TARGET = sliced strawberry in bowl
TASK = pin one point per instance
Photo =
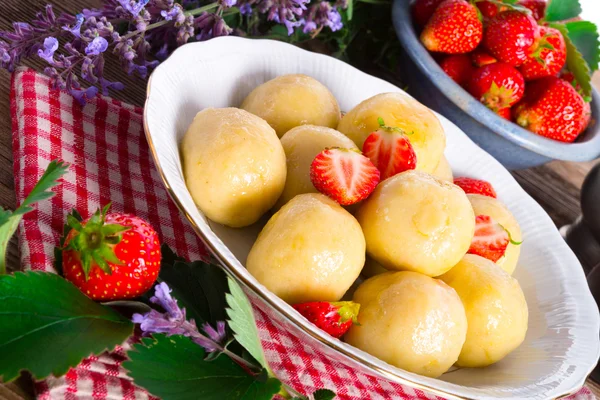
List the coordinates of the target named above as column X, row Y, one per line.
column 475, row 186
column 334, row 318
column 389, row 150
column 490, row 240
column 345, row 175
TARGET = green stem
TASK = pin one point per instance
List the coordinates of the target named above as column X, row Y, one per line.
column 158, row 24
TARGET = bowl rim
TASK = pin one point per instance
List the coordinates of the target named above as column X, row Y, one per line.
column 586, row 150
column 292, row 316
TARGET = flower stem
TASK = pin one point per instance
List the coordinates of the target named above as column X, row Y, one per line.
column 158, row 24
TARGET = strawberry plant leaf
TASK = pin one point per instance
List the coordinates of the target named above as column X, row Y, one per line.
column 584, row 36
column 323, row 394
column 241, row 322
column 560, row 10
column 575, row 61
column 49, row 326
column 9, row 221
column 174, row 368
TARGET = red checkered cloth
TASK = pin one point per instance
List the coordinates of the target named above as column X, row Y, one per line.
column 110, row 162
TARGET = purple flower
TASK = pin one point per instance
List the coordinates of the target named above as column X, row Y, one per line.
column 50, row 46
column 83, row 95
column 322, row 15
column 96, row 46
column 174, row 14
column 76, row 29
column 134, row 7
column 283, row 12
column 246, row 9
column 227, row 3
column 210, row 25
column 173, row 322
column 185, row 31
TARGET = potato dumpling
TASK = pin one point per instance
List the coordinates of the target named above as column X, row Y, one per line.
column 233, row 164
column 485, row 205
column 293, row 100
column 443, row 170
column 311, row 249
column 409, row 320
column 414, row 221
column 496, row 310
column 301, row 146
column 398, row 110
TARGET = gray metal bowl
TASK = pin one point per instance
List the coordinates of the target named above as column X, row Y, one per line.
column 510, row 144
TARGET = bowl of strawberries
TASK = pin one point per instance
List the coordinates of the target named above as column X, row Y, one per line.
column 512, row 74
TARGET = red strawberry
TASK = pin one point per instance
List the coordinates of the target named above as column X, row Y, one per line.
column 497, row 85
column 537, row 7
column 453, row 28
column 475, row 186
column 480, row 57
column 111, row 257
column 458, row 67
column 548, row 57
column 490, row 240
column 345, row 175
column 504, row 113
column 552, row 108
column 422, row 10
column 334, row 318
column 489, row 9
column 510, row 35
column 390, row 151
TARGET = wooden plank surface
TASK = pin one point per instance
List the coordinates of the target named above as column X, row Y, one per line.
column 555, row 185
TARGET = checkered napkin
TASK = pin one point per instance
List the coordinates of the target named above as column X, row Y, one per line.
column 110, row 162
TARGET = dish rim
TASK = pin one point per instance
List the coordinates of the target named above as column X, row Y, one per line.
column 578, row 151
column 301, row 323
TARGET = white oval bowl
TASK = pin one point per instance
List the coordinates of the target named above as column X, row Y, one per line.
column 562, row 344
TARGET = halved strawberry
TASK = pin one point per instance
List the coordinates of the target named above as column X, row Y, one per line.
column 345, row 175
column 389, row 150
column 475, row 186
column 334, row 318
column 490, row 240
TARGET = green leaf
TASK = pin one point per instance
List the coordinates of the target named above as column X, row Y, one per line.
column 323, row 394
column 241, row 322
column 350, row 10
column 173, row 368
column 575, row 61
column 73, row 216
column 559, row 10
column 49, row 326
column 584, row 36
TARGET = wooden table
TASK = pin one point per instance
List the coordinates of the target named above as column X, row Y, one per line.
column 555, row 186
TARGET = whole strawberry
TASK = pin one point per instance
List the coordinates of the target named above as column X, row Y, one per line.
column 552, row 108
column 422, row 10
column 111, row 256
column 454, row 28
column 537, row 7
column 480, row 57
column 475, row 186
column 334, row 318
column 497, row 85
column 458, row 67
column 489, row 9
column 548, row 57
column 510, row 35
column 505, row 113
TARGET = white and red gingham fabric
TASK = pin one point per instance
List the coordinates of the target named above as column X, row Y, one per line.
column 110, row 162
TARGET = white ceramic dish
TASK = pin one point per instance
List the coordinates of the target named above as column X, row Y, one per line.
column 562, row 343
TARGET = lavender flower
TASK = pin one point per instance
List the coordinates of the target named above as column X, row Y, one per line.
column 134, row 7
column 283, row 12
column 246, row 9
column 321, row 15
column 173, row 322
column 50, row 47
column 227, row 3
column 76, row 29
column 96, row 46
column 210, row 26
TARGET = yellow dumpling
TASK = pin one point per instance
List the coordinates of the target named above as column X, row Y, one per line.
column 414, row 221
column 485, row 205
column 233, row 164
column 409, row 320
column 293, row 100
column 496, row 310
column 301, row 146
column 443, row 170
column 402, row 111
column 310, row 250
